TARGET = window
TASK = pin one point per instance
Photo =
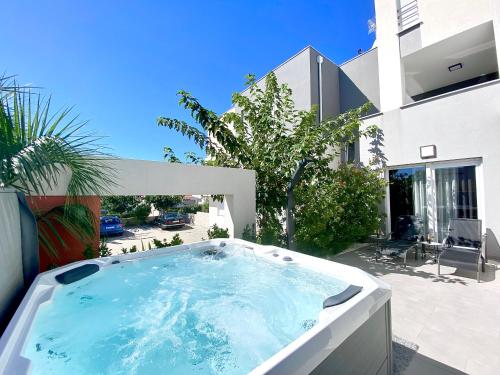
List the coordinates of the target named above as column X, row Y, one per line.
column 351, row 152
column 407, row 193
column 456, row 196
column 437, row 192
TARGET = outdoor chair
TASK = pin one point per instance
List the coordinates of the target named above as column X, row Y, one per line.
column 407, row 231
column 463, row 247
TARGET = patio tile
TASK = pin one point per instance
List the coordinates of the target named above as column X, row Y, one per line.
column 476, row 367
column 452, row 319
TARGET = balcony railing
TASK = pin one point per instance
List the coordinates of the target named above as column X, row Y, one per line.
column 408, row 15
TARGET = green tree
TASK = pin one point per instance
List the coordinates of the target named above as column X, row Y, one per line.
column 163, row 202
column 120, row 204
column 267, row 134
column 37, row 147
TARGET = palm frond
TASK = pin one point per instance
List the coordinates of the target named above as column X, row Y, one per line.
column 76, row 219
column 38, row 146
column 40, row 149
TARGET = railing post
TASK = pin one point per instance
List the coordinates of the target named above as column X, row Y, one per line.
column 408, row 14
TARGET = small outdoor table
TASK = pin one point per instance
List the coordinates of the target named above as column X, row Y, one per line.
column 433, row 246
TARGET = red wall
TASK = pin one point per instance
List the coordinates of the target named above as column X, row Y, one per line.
column 75, row 247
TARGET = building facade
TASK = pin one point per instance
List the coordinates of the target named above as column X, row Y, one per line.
column 439, row 112
column 432, row 77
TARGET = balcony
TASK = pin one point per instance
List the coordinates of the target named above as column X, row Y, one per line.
column 464, row 60
column 408, row 14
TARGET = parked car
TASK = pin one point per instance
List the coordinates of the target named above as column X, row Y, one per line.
column 111, row 225
column 170, row 220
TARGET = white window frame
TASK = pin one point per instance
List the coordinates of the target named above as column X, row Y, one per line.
column 430, row 176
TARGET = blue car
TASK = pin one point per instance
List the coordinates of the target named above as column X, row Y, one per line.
column 111, row 225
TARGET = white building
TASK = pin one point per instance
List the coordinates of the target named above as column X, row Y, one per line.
column 432, row 77
column 439, row 110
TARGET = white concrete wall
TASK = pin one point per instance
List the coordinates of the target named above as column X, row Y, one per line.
column 138, row 177
column 496, row 25
column 440, row 19
column 11, row 265
column 463, row 124
column 217, row 213
column 444, row 18
column 201, row 219
column 390, row 66
column 142, row 177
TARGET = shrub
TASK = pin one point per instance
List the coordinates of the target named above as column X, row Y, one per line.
column 205, row 206
column 133, row 249
column 339, row 209
column 141, row 212
column 124, row 250
column 104, row 251
column 216, row 232
column 176, row 240
column 88, row 252
column 158, row 244
column 249, row 233
column 272, row 233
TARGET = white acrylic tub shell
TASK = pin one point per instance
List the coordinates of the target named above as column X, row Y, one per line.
column 335, row 324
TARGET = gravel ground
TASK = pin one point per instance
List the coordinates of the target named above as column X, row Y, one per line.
column 143, row 235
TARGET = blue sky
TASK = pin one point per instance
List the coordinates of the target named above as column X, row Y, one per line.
column 120, row 63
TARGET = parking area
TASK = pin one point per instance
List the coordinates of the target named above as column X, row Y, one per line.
column 142, row 236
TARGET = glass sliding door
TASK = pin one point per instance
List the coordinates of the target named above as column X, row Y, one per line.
column 456, row 196
column 407, row 193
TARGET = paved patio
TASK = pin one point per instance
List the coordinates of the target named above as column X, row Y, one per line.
column 452, row 321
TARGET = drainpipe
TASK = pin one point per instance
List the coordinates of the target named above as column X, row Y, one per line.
column 319, row 60
column 290, row 202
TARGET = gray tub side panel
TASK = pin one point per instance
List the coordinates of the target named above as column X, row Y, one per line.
column 366, row 351
column 29, row 241
column 11, row 265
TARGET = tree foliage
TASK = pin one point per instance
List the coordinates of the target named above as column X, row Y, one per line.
column 341, row 207
column 163, row 202
column 266, row 133
column 120, row 204
column 141, row 212
column 126, row 204
column 217, row 232
column 38, row 145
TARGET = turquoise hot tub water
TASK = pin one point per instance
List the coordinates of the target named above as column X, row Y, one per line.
column 186, row 312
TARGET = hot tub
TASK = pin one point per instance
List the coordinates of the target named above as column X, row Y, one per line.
column 214, row 307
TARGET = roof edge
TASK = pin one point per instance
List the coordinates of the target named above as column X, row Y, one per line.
column 358, row 56
column 288, row 60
